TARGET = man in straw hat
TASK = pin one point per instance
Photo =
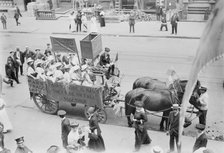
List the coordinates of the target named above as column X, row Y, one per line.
column 173, row 126
column 201, row 140
column 21, row 148
column 140, row 117
column 65, row 127
column 203, row 105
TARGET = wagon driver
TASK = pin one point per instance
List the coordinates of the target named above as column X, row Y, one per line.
column 105, row 61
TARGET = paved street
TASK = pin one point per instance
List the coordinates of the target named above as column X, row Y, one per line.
column 145, row 53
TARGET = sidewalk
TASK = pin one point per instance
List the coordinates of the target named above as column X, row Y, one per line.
column 187, row 30
column 117, row 139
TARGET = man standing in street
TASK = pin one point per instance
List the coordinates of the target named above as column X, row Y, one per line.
column 16, row 16
column 203, row 105
column 4, row 21
column 65, row 127
column 132, row 22
column 173, row 123
column 79, row 21
column 174, row 20
column 201, row 140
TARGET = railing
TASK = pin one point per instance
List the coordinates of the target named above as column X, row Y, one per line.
column 4, row 5
column 45, row 15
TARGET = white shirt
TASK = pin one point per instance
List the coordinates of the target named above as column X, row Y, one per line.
column 204, row 101
column 73, row 137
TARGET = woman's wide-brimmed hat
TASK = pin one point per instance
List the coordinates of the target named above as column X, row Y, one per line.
column 74, row 124
column 91, row 110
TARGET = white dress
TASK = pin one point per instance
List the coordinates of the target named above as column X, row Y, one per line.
column 4, row 119
column 93, row 25
column 72, row 22
column 84, row 23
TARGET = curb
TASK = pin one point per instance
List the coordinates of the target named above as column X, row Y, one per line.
column 111, row 35
column 124, row 35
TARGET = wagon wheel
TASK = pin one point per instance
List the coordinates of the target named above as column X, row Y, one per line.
column 102, row 115
column 45, row 105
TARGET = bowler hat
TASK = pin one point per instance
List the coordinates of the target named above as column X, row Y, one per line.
column 19, row 140
column 138, row 103
column 107, row 49
column 61, row 112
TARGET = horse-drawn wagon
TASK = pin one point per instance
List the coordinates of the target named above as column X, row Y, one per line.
column 48, row 93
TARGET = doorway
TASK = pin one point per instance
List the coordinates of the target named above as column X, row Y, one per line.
column 26, row 3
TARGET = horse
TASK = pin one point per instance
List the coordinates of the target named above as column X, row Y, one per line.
column 153, row 100
column 152, row 83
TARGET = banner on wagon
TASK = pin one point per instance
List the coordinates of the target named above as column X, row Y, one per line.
column 72, row 93
column 67, row 45
column 37, row 85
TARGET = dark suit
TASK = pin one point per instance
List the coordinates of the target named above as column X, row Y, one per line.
column 201, row 141
column 65, row 129
column 104, row 60
column 173, row 122
column 28, row 54
column 10, row 72
column 174, row 20
column 15, row 66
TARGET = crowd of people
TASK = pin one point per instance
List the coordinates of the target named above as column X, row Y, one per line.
column 65, row 67
column 80, row 23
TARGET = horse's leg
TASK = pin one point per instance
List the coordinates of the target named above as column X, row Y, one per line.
column 162, row 123
column 164, row 119
column 128, row 111
column 166, row 116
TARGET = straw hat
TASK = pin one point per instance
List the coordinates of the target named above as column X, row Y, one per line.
column 29, row 60
column 175, row 106
column 74, row 124
column 156, row 149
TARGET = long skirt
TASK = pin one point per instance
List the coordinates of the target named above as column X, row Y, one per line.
column 96, row 144
column 4, row 119
column 102, row 22
column 141, row 137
